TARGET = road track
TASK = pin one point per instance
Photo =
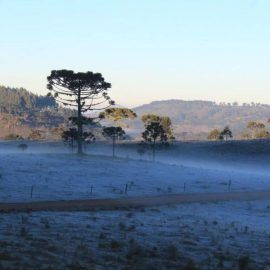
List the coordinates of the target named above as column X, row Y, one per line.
column 131, row 202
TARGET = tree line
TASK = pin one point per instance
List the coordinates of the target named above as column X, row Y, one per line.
column 87, row 92
column 254, row 130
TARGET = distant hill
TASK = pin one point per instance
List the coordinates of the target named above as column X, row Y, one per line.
column 21, row 110
column 19, row 99
column 194, row 119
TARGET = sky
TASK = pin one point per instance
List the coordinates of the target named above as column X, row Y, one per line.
column 148, row 50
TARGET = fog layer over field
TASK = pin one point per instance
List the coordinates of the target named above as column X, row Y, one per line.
column 49, row 171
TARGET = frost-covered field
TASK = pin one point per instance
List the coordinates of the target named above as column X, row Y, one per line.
column 225, row 235
column 191, row 236
column 51, row 173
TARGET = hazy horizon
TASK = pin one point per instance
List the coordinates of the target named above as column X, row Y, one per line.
column 159, row 100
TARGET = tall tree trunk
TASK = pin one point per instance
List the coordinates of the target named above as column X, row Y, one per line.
column 79, row 124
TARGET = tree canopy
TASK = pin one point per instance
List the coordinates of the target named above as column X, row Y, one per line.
column 154, row 132
column 164, row 121
column 117, row 114
column 85, row 91
column 226, row 134
column 113, row 133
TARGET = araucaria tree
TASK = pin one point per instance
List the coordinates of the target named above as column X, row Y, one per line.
column 116, row 115
column 165, row 121
column 70, row 136
column 154, row 132
column 84, row 91
column 113, row 133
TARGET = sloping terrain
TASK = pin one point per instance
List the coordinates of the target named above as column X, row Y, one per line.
column 21, row 110
column 200, row 117
column 197, row 235
column 48, row 171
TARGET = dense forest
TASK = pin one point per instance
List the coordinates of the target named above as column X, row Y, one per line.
column 14, row 100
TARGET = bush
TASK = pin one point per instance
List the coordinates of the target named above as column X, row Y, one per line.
column 115, row 244
column 172, row 251
column 243, row 262
column 214, row 135
column 22, row 146
column 261, row 134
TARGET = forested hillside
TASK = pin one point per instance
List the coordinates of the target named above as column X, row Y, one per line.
column 19, row 99
column 21, row 111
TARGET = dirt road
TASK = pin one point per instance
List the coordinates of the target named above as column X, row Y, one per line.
column 113, row 204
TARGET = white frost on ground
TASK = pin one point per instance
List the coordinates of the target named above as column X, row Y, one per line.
column 66, row 176
column 214, row 236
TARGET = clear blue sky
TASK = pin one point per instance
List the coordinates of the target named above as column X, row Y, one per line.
column 148, row 49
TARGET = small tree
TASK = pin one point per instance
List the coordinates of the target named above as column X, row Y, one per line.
column 153, row 133
column 23, row 146
column 89, row 137
column 226, row 134
column 113, row 133
column 70, row 136
column 141, row 150
column 84, row 91
column 214, row 135
column 165, row 121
